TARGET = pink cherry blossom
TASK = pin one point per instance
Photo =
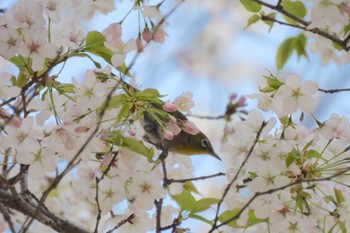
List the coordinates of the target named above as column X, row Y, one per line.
column 184, row 102
column 297, row 95
column 144, row 189
column 110, row 193
column 190, row 127
column 37, row 48
column 9, row 42
column 169, row 107
column 26, row 15
column 336, row 127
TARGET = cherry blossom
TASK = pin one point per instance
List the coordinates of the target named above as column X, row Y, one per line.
column 9, row 42
column 27, row 15
column 37, row 48
column 144, row 189
column 110, row 193
column 114, row 42
column 184, row 102
column 327, row 14
column 297, row 95
column 25, row 140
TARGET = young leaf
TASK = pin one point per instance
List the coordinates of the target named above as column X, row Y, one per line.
column 185, row 200
column 296, row 8
column 284, row 51
column 204, row 204
column 270, row 23
column 253, row 220
column 300, row 42
column 313, row 154
column 339, row 195
column 252, row 19
column 148, row 94
column 195, row 216
column 116, row 138
column 229, row 214
column 95, row 44
column 124, row 111
column 251, row 6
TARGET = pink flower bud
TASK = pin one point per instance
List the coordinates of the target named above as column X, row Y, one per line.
column 233, row 96
column 139, row 45
column 190, row 128
column 345, row 7
column 159, row 35
column 168, row 135
column 173, row 127
column 169, row 107
column 132, row 132
column 242, row 101
column 15, row 122
column 147, row 35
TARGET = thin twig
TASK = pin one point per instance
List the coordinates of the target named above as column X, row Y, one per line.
column 98, row 180
column 227, row 189
column 279, row 8
column 170, row 181
column 332, row 91
column 257, row 194
column 159, row 205
column 7, row 218
column 121, row 223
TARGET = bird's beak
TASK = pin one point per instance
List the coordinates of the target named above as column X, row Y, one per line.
column 215, row 155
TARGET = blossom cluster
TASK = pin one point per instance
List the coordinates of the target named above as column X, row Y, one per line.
column 331, row 16
column 289, row 155
column 281, row 176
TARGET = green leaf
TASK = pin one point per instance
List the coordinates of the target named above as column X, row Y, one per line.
column 285, row 120
column 95, row 44
column 204, row 204
column 148, row 94
column 19, row 61
column 270, row 23
column 251, row 6
column 229, row 214
column 300, row 42
column 296, row 8
column 64, row 87
column 124, row 111
column 117, row 101
column 290, row 159
column 339, row 195
column 273, row 82
column 185, row 200
column 116, row 138
column 124, row 70
column 252, row 19
column 93, row 39
column 284, row 51
column 21, row 80
column 329, row 198
column 253, row 220
column 337, row 46
column 190, row 187
column 308, row 144
column 342, row 227
column 314, row 154
column 195, row 216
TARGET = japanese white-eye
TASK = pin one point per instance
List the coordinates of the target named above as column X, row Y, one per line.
column 153, row 120
column 182, row 143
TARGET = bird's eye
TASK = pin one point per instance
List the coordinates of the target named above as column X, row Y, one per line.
column 205, row 143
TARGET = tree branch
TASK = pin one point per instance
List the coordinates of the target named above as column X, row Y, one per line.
column 317, row 31
column 57, row 223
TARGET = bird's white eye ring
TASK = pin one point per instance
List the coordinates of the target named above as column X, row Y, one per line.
column 205, row 143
